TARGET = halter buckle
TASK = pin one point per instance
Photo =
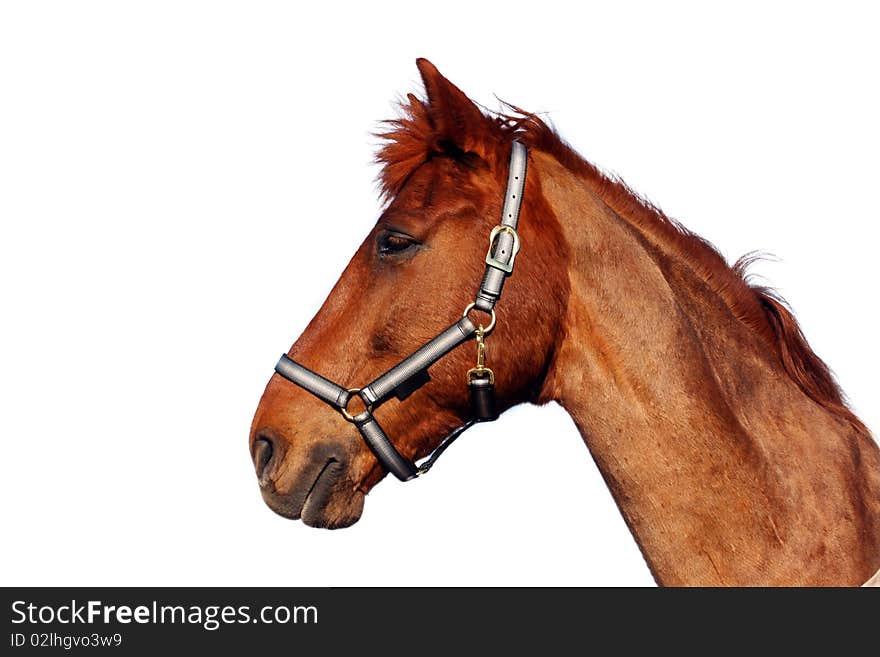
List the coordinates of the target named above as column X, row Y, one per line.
column 491, row 259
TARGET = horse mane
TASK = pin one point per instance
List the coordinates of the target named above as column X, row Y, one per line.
column 410, row 140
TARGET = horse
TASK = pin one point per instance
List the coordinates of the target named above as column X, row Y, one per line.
column 724, row 439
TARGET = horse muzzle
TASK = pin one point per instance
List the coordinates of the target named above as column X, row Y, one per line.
column 316, row 487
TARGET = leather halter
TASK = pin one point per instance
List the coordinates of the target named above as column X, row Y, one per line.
column 412, row 372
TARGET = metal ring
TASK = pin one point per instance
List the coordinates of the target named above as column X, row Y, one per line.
column 488, row 329
column 368, row 408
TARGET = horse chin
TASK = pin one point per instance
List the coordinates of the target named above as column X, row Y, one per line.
column 329, row 501
column 333, row 505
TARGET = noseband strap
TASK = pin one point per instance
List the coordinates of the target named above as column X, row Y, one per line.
column 412, row 372
column 322, row 388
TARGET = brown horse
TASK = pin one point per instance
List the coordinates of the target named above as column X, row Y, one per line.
column 724, row 439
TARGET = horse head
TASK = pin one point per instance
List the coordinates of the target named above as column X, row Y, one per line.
column 445, row 167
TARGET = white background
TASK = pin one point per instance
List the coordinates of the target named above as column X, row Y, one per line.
column 181, row 183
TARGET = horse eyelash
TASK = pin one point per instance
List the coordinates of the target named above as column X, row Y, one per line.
column 381, row 244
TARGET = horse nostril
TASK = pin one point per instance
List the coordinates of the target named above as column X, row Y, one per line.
column 263, row 450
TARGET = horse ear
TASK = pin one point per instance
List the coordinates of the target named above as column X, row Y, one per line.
column 454, row 117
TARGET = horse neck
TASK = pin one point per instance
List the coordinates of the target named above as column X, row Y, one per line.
column 724, row 470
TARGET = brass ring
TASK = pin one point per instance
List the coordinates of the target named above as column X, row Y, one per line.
column 488, row 329
column 368, row 408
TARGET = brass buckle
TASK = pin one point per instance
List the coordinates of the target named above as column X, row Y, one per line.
column 491, row 260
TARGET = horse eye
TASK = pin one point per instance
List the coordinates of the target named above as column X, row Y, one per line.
column 394, row 243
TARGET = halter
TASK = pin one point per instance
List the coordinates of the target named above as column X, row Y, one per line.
column 411, row 373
